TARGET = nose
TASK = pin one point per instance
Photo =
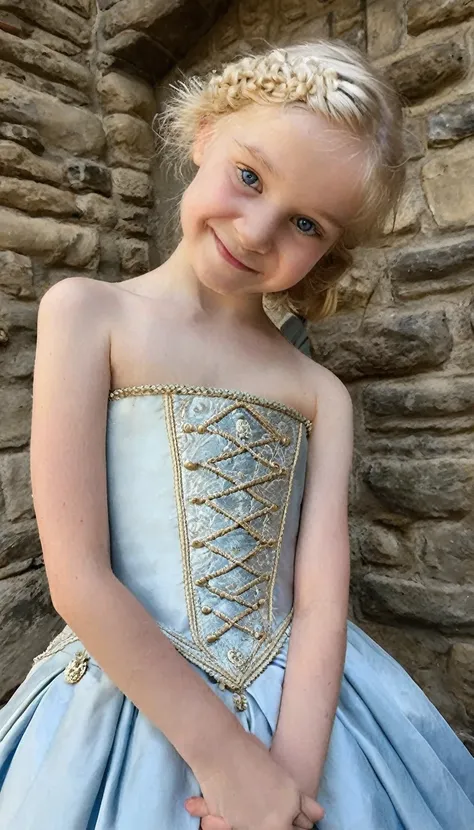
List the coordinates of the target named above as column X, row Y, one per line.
column 256, row 230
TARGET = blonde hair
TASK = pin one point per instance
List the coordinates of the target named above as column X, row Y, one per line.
column 329, row 78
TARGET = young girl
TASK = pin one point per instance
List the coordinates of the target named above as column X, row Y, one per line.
column 190, row 471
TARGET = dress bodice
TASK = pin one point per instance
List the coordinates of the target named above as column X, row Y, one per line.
column 204, row 491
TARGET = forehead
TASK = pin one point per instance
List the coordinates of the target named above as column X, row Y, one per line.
column 311, row 160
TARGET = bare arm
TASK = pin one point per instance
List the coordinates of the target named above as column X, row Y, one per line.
column 71, row 384
column 318, row 639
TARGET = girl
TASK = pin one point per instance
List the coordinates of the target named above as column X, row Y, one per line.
column 190, row 470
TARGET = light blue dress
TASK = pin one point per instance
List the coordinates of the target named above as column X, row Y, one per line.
column 205, row 489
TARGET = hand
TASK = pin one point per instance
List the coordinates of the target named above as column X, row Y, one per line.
column 196, row 806
column 250, row 791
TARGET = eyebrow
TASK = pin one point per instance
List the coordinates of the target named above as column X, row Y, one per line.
column 257, row 153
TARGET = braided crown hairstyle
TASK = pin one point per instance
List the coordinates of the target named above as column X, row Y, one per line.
column 331, row 79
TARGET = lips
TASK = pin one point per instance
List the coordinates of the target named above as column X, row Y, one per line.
column 226, row 254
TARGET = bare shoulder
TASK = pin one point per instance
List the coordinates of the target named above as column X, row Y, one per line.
column 78, row 298
column 328, row 387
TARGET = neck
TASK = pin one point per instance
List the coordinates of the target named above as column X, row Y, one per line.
column 178, row 276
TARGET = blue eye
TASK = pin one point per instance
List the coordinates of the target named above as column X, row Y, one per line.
column 307, row 227
column 248, row 177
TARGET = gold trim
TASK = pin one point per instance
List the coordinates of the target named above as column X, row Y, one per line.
column 209, row 391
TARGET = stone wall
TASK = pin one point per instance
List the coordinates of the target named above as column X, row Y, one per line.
column 76, row 167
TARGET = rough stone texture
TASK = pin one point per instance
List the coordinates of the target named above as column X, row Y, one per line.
column 423, row 398
column 452, row 122
column 134, row 256
column 16, row 273
column 26, row 617
column 37, row 198
column 19, row 541
column 15, row 482
column 52, row 17
column 422, row 14
column 434, row 489
column 447, row 180
column 447, row 551
column 390, row 344
column 129, row 142
column 83, row 174
column 70, row 128
column 16, row 416
column 131, row 185
column 50, row 63
column 461, row 668
column 450, row 607
column 97, row 209
column 384, row 27
column 425, row 71
column 122, row 93
column 26, row 136
column 17, row 161
column 54, row 241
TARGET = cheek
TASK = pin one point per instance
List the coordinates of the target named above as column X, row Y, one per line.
column 208, row 196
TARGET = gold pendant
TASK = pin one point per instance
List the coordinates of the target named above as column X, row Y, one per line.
column 76, row 669
column 240, row 701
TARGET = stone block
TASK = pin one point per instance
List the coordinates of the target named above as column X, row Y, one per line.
column 16, row 486
column 129, row 141
column 16, row 416
column 422, row 271
column 19, row 162
column 461, row 670
column 351, row 30
column 447, row 550
column 16, row 273
column 409, row 210
column 134, row 256
column 379, row 545
column 132, row 185
column 56, row 242
column 122, row 93
column 447, row 181
column 26, row 136
column 420, row 398
column 175, row 25
column 82, row 7
column 33, row 81
column 140, row 51
column 48, row 15
column 392, row 343
column 14, row 25
column 83, row 174
column 97, row 209
column 73, row 129
column 34, row 197
column 384, row 27
column 437, row 488
column 423, row 14
column 428, row 69
column 57, row 44
column 49, row 63
column 414, row 138
column 450, row 607
column 133, row 219
column 451, row 123
column 28, row 622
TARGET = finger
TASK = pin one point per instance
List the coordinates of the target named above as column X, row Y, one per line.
column 311, row 808
column 214, row 823
column 302, row 820
column 196, row 806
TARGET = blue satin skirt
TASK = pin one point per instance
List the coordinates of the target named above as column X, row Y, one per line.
column 82, row 757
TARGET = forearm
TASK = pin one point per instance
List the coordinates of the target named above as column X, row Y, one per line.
column 310, row 694
column 129, row 646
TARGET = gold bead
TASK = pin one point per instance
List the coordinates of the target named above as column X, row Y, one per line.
column 191, row 465
column 203, row 580
column 261, row 601
column 197, row 500
column 275, row 507
column 211, row 638
column 259, row 635
column 206, row 610
column 189, row 428
column 201, row 429
column 196, row 543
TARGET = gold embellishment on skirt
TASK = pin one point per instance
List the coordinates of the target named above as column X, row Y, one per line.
column 76, row 669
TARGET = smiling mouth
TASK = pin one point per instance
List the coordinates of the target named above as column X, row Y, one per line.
column 225, row 254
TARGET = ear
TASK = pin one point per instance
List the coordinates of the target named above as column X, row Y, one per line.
column 201, row 141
